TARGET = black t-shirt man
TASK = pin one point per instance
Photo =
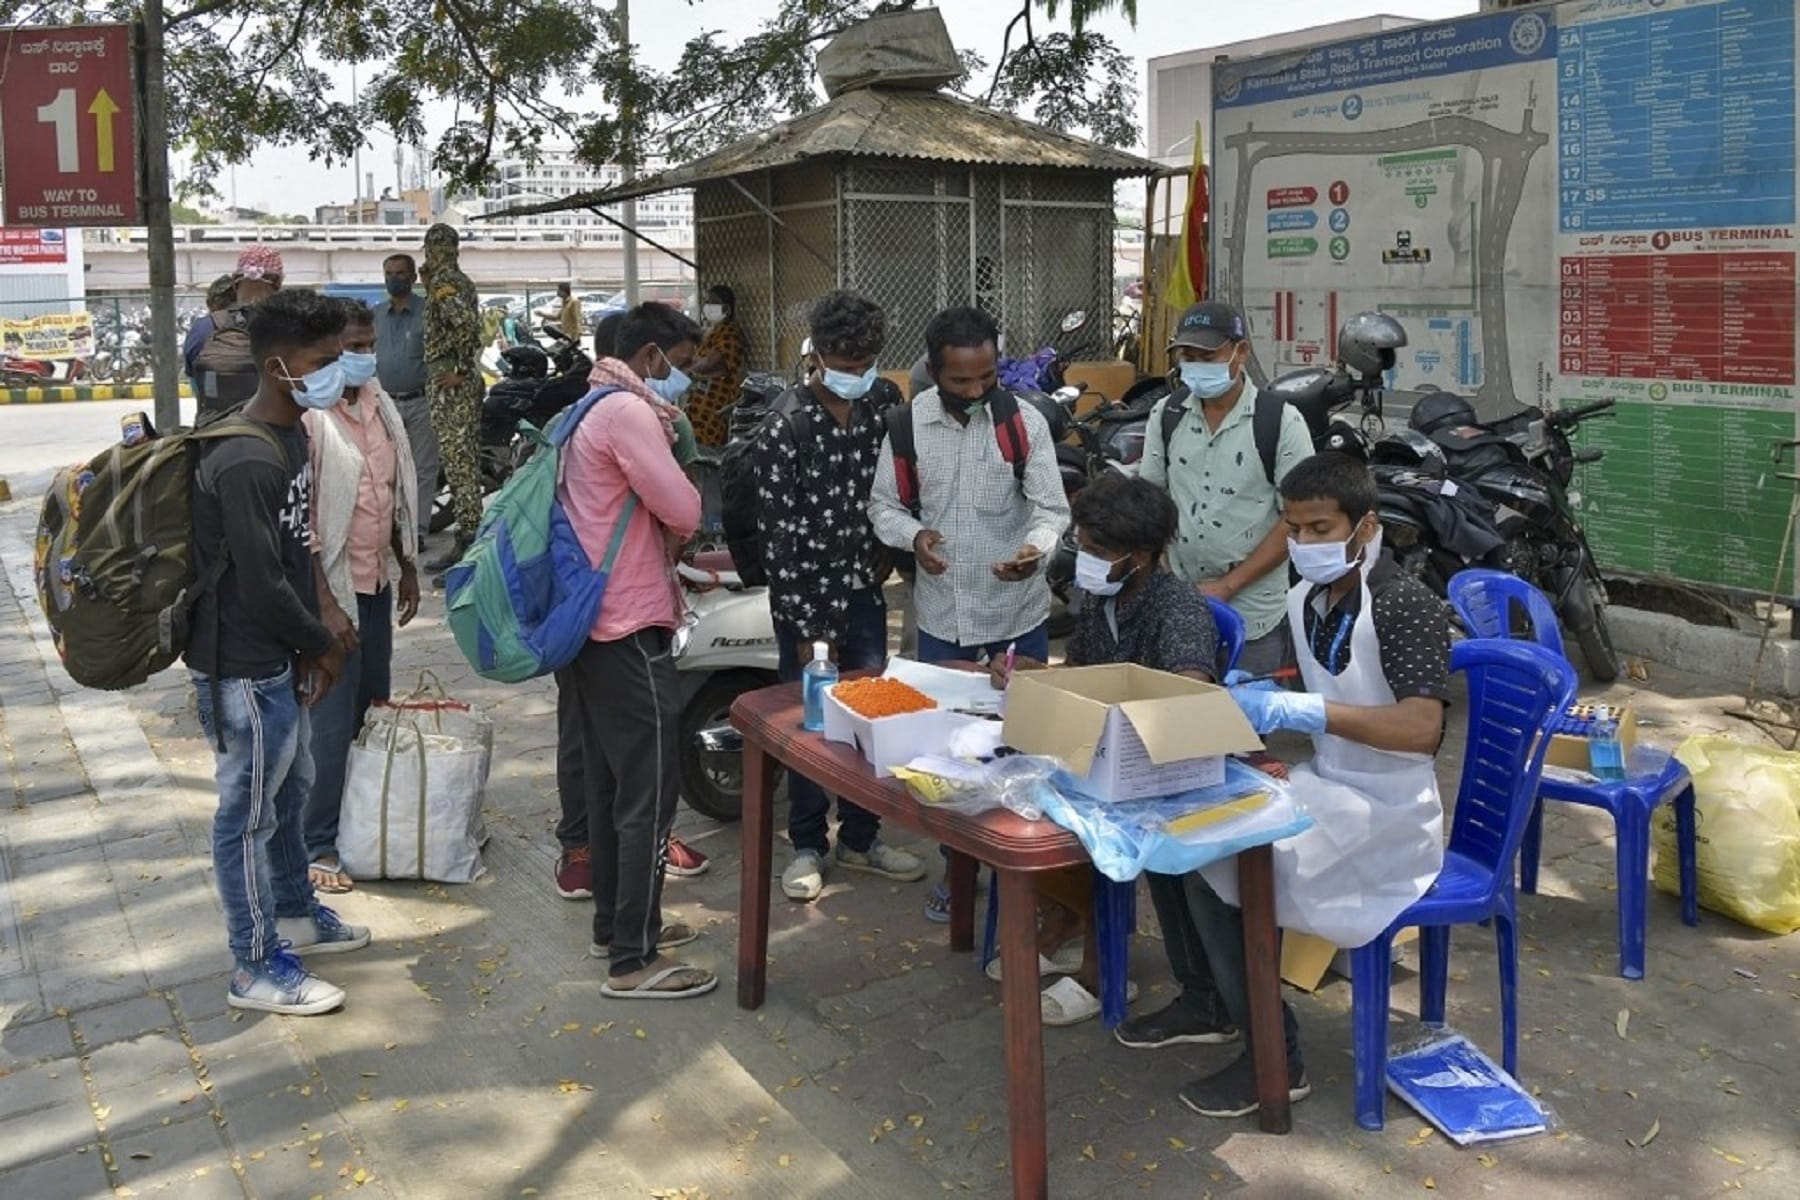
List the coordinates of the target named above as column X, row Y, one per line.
column 254, row 504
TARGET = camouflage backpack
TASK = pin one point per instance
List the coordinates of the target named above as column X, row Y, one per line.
column 115, row 562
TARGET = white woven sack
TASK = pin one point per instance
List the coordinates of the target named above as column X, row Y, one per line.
column 413, row 790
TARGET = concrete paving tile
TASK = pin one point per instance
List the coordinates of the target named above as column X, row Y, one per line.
column 121, row 1022
column 24, row 1044
column 72, row 1175
column 166, row 1160
column 31, row 1088
column 44, row 1133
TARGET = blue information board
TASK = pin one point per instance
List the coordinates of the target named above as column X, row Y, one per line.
column 1678, row 119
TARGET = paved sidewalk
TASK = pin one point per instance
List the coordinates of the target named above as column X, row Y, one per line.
column 477, row 1058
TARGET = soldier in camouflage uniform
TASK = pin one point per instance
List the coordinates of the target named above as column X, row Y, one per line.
column 453, row 374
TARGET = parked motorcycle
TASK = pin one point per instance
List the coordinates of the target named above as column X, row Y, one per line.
column 725, row 647
column 1524, row 466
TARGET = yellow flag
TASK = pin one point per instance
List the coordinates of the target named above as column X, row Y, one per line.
column 1188, row 283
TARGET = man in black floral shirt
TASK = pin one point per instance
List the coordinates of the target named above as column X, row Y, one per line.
column 815, row 462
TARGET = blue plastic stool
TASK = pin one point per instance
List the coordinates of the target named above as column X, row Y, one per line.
column 1232, row 634
column 1656, row 778
column 1485, row 601
column 1515, row 689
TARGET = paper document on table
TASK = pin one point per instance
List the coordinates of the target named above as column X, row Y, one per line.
column 961, row 691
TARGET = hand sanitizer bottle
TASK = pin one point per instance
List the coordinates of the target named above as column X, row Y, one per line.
column 1606, row 757
column 820, row 674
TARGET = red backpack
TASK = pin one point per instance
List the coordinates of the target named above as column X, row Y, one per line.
column 1009, row 432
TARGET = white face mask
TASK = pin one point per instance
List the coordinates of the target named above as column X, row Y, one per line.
column 1093, row 575
column 1327, row 562
column 714, row 313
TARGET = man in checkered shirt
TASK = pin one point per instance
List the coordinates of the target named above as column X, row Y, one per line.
column 982, row 534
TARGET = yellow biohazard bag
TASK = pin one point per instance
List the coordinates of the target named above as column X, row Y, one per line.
column 1747, row 818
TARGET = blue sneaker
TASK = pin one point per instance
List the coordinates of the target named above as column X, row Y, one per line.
column 322, row 933
column 281, row 984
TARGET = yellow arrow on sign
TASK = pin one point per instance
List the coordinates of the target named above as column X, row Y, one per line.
column 104, row 109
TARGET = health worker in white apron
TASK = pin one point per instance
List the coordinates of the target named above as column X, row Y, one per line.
column 1377, row 838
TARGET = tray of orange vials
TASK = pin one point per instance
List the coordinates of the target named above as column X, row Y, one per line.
column 880, row 697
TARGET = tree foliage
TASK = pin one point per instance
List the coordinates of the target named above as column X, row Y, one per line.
column 520, row 74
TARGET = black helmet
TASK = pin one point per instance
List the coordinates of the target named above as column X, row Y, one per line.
column 1409, row 448
column 1367, row 341
column 1441, row 412
column 524, row 362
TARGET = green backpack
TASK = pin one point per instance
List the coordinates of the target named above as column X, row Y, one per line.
column 115, row 562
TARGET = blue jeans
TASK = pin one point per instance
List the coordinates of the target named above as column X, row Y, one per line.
column 1035, row 644
column 264, row 774
column 338, row 718
column 864, row 645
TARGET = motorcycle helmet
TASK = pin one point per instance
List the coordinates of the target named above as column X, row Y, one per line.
column 1441, row 412
column 1367, row 341
column 1342, row 438
column 1409, row 448
column 524, row 362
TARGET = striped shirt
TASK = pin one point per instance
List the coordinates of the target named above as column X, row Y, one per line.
column 968, row 493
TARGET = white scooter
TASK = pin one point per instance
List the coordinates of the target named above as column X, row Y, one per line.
column 725, row 647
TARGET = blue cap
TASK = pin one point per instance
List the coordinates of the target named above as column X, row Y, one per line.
column 1209, row 325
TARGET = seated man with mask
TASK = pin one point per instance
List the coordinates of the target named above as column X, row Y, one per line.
column 1374, row 653
column 1137, row 612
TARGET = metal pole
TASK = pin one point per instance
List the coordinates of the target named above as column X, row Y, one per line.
column 356, row 208
column 164, row 342
column 628, row 162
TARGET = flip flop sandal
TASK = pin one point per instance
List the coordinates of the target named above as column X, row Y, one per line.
column 677, row 934
column 651, row 988
column 937, row 909
column 1066, row 1002
column 331, row 880
column 1066, row 961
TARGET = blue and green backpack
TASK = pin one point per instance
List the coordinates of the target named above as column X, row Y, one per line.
column 524, row 597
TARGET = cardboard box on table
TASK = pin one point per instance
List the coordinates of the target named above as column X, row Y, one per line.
column 1128, row 732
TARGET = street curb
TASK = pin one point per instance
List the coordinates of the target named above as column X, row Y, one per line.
column 1728, row 655
column 78, row 394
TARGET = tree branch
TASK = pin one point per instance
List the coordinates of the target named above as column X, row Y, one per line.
column 1005, row 51
column 203, row 8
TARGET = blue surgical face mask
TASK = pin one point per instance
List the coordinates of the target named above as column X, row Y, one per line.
column 322, row 388
column 359, row 368
column 672, row 387
column 848, row 386
column 1207, row 380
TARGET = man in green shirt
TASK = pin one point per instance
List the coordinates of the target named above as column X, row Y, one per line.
column 1231, row 542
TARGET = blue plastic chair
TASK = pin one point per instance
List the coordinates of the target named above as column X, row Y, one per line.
column 1231, row 634
column 1115, row 904
column 1515, row 690
column 1485, row 600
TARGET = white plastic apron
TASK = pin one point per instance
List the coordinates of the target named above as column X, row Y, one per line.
column 1377, row 840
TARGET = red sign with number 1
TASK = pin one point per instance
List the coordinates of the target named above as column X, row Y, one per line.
column 68, row 127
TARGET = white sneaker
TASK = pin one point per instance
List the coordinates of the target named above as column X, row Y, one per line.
column 804, row 878
column 322, row 933
column 882, row 859
column 283, row 985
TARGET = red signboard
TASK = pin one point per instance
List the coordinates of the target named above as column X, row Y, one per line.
column 33, row 246
column 68, row 126
column 1292, row 197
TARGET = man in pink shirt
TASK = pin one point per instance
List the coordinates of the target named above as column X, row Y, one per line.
column 622, row 687
column 365, row 542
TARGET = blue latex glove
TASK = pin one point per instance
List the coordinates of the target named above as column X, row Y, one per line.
column 1270, row 708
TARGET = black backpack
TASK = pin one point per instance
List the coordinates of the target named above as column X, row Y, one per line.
column 1265, row 425
column 1009, row 432
column 224, row 368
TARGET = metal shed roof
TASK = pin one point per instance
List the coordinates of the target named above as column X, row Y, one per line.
column 878, row 123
